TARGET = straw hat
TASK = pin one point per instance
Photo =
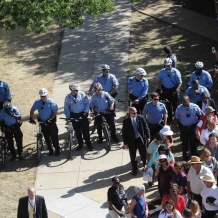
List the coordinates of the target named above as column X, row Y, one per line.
column 208, row 178
column 209, row 110
column 163, row 156
column 166, row 130
column 194, row 159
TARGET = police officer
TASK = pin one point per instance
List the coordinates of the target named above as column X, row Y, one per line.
column 77, row 105
column 108, row 82
column 186, row 116
column 202, row 76
column 5, row 94
column 156, row 114
column 47, row 109
column 138, row 89
column 102, row 101
column 10, row 117
column 195, row 92
column 169, row 81
column 168, row 53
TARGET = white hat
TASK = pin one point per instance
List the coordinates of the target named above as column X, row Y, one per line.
column 163, row 156
column 208, row 178
column 166, row 130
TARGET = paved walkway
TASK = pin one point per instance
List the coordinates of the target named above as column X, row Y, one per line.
column 78, row 188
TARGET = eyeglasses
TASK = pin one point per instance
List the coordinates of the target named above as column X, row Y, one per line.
column 167, row 65
column 162, row 161
column 156, row 99
column 42, row 96
column 133, row 113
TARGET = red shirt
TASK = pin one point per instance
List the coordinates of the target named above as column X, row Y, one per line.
column 179, row 205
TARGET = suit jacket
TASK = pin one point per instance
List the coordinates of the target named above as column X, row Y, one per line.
column 41, row 211
column 128, row 132
column 210, row 103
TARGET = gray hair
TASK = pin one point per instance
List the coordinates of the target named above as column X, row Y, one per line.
column 138, row 188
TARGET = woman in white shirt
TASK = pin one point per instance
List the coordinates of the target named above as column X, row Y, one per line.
column 169, row 210
column 209, row 196
column 210, row 127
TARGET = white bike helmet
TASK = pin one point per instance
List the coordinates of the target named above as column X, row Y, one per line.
column 140, row 71
column 73, row 86
column 168, row 61
column 199, row 65
column 105, row 67
column 7, row 104
column 43, row 92
column 98, row 86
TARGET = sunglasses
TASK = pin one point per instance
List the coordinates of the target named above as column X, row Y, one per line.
column 162, row 161
column 204, row 97
column 156, row 99
column 116, row 183
column 167, row 65
column 133, row 113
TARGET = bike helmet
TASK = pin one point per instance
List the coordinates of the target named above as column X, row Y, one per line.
column 168, row 61
column 43, row 92
column 163, row 147
column 73, row 86
column 105, row 67
column 140, row 71
column 98, row 86
column 7, row 104
column 199, row 65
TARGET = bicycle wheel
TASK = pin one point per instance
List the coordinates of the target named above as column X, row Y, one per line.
column 4, row 153
column 70, row 143
column 107, row 136
column 39, row 146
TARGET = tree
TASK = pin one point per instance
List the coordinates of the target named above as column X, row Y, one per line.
column 38, row 15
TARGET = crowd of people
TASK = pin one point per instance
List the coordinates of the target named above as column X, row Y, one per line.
column 184, row 186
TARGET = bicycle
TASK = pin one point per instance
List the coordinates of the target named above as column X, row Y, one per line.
column 4, row 145
column 70, row 133
column 105, row 127
column 40, row 141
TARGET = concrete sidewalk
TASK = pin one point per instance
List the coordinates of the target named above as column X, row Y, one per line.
column 79, row 187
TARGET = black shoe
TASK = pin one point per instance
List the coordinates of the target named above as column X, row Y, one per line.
column 134, row 173
column 50, row 152
column 90, row 148
column 150, row 183
column 79, row 148
column 100, row 140
column 13, row 158
column 57, row 153
column 115, row 138
column 21, row 157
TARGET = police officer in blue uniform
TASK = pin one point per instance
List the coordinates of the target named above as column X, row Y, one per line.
column 138, row 89
column 186, row 116
column 202, row 76
column 102, row 101
column 108, row 82
column 168, row 53
column 47, row 109
column 10, row 118
column 155, row 113
column 195, row 92
column 169, row 81
column 77, row 105
column 5, row 94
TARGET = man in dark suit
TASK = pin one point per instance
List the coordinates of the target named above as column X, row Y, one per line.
column 32, row 206
column 205, row 102
column 136, row 135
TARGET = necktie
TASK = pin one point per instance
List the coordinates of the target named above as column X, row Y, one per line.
column 135, row 129
column 31, row 209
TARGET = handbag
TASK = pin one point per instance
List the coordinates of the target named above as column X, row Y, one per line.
column 148, row 175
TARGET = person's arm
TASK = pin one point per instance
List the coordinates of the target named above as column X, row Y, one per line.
column 144, row 91
column 202, row 138
column 176, row 129
column 31, row 113
column 131, row 207
column 157, row 171
column 90, row 89
column 165, row 119
column 146, row 129
column 113, row 90
column 159, row 84
column 44, row 209
column 188, row 190
column 19, row 210
column 114, row 208
column 178, row 86
column 146, row 210
column 148, row 156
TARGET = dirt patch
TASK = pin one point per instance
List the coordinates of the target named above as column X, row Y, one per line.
column 28, row 62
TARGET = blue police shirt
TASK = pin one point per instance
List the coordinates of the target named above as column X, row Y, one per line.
column 76, row 105
column 197, row 96
column 108, row 83
column 182, row 112
column 46, row 110
column 4, row 91
column 204, row 79
column 102, row 102
column 138, row 88
column 9, row 120
column 170, row 78
column 154, row 112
